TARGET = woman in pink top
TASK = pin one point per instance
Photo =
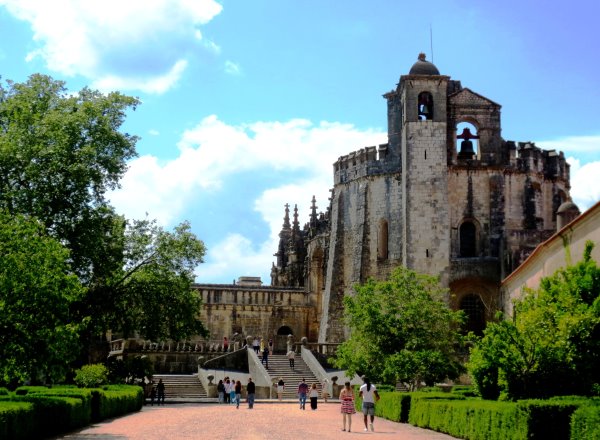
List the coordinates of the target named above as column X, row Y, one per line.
column 347, row 399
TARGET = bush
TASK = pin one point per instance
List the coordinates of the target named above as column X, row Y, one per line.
column 3, row 391
column 17, row 420
column 472, row 419
column 489, row 420
column 91, row 376
column 585, row 423
column 116, row 400
column 56, row 414
column 548, row 418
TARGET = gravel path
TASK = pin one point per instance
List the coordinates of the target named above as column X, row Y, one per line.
column 267, row 420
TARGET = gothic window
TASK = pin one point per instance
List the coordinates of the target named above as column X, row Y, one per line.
column 474, row 311
column 425, row 108
column 468, row 240
column 382, row 240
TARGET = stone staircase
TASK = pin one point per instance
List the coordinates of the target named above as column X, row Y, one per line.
column 279, row 366
column 182, row 386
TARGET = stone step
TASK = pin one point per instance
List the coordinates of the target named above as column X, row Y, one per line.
column 279, row 366
column 181, row 385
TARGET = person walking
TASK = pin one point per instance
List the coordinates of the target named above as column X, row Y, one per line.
column 291, row 355
column 238, row 394
column 250, row 389
column 347, row 400
column 221, row 391
column 369, row 395
column 302, row 391
column 225, row 344
column 265, row 357
column 314, row 396
column 227, row 391
column 160, row 392
column 280, row 388
column 255, row 345
column 271, row 346
column 232, row 392
column 324, row 390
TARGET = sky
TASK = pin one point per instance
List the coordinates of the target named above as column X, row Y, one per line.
column 247, row 104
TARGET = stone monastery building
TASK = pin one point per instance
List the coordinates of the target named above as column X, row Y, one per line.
column 446, row 195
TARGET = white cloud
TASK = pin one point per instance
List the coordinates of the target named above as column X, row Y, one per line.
column 153, row 132
column 585, row 168
column 585, row 183
column 156, row 84
column 573, row 144
column 234, row 257
column 213, row 151
column 134, row 44
column 232, row 68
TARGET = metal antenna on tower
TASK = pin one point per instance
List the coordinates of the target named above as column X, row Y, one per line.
column 431, row 41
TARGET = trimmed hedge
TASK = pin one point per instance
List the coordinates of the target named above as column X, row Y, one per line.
column 585, row 423
column 472, row 419
column 490, row 420
column 116, row 400
column 547, row 418
column 16, row 420
column 56, row 410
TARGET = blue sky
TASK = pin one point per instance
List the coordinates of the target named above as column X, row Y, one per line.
column 247, row 104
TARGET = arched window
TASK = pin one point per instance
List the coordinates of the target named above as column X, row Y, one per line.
column 382, row 240
column 425, row 108
column 474, row 310
column 468, row 240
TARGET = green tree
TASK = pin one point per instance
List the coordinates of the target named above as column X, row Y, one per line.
column 37, row 335
column 401, row 329
column 552, row 345
column 59, row 154
column 152, row 293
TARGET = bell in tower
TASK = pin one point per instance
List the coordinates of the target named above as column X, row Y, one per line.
column 466, row 146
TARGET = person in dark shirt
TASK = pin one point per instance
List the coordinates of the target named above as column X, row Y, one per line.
column 250, row 389
column 238, row 393
column 160, row 392
column 302, row 391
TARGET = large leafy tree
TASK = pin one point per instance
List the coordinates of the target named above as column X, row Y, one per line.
column 59, row 154
column 401, row 329
column 37, row 334
column 151, row 294
column 552, row 346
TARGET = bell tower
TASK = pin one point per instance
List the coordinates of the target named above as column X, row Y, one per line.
column 423, row 150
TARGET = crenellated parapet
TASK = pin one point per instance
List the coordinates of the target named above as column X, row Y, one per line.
column 364, row 162
column 529, row 158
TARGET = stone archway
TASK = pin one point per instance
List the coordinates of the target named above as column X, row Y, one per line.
column 281, row 339
column 474, row 309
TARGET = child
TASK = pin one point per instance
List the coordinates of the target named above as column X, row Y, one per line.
column 314, row 394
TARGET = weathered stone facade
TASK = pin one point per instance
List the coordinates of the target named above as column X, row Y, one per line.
column 468, row 206
column 424, row 200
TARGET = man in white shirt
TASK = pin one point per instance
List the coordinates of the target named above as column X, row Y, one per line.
column 369, row 396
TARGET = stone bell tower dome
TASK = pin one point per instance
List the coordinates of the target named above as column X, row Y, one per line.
column 423, row 150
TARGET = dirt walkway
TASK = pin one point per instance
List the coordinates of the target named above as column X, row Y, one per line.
column 265, row 421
